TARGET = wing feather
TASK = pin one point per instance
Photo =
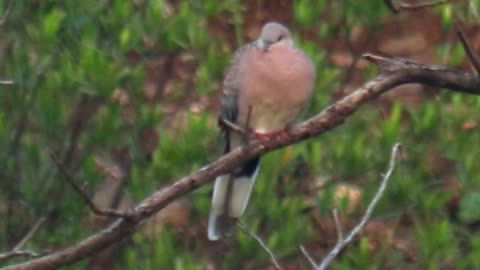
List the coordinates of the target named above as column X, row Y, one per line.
column 230, row 89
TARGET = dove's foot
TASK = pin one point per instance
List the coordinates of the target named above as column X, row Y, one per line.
column 280, row 135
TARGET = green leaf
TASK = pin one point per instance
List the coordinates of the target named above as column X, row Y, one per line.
column 52, row 23
column 469, row 210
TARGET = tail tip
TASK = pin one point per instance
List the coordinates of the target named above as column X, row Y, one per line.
column 220, row 227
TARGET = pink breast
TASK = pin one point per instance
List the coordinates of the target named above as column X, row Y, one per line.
column 277, row 84
column 284, row 72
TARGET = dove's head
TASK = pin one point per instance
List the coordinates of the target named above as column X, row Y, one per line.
column 274, row 34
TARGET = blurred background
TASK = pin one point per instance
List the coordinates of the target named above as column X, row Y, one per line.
column 125, row 94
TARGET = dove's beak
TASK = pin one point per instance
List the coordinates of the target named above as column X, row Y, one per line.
column 263, row 45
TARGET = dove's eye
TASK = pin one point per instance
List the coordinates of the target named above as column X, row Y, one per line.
column 279, row 38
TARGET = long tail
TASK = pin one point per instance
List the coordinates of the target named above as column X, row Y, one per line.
column 230, row 198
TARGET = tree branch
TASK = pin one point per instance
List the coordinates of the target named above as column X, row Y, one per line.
column 338, row 225
column 7, row 12
column 359, row 227
column 398, row 6
column 309, row 258
column 395, row 72
column 93, row 207
column 472, row 56
column 17, row 250
column 259, row 240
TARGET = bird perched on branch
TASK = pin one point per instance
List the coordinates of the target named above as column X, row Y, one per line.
column 266, row 87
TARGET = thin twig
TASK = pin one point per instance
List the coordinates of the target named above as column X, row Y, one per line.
column 359, row 227
column 474, row 58
column 30, row 234
column 84, row 111
column 307, row 255
column 354, row 52
column 231, row 126
column 6, row 82
column 338, row 225
column 18, row 253
column 7, row 12
column 93, row 207
column 398, row 6
column 17, row 250
column 421, row 5
column 261, row 243
column 473, row 7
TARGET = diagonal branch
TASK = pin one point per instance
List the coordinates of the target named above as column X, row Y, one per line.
column 338, row 225
column 17, row 250
column 259, row 240
column 308, row 256
column 359, row 227
column 7, row 12
column 397, row 6
column 30, row 234
column 93, row 207
column 395, row 72
column 472, row 56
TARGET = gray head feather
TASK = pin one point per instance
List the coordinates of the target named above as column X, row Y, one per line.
column 274, row 33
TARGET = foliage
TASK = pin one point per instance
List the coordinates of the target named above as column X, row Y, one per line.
column 70, row 58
